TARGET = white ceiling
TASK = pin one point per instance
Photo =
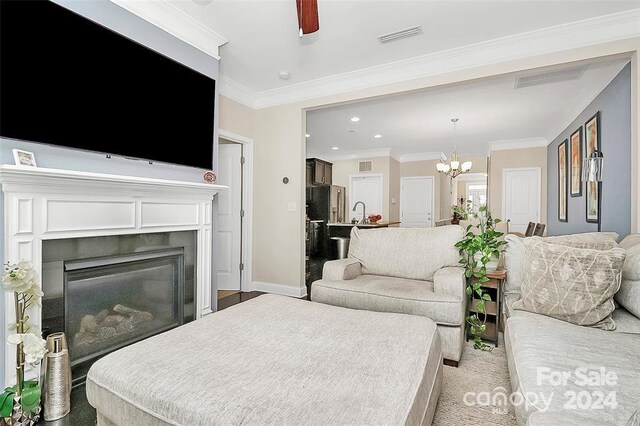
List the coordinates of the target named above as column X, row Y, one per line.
column 490, row 110
column 263, row 34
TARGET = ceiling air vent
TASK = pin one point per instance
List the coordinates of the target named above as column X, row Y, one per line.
column 552, row 76
column 399, row 35
column 365, row 166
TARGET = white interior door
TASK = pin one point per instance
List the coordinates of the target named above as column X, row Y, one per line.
column 416, row 202
column 368, row 189
column 229, row 219
column 521, row 197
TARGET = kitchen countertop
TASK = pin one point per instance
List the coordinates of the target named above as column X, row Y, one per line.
column 367, row 225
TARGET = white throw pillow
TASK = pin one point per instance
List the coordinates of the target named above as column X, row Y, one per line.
column 629, row 241
column 513, row 257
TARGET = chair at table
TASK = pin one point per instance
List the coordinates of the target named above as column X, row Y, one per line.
column 530, row 229
column 539, row 231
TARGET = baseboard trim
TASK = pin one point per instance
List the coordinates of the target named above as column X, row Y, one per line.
column 276, row 288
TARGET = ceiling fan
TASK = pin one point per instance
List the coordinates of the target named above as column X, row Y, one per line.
column 307, row 16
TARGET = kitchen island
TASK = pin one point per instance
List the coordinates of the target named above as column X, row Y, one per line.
column 366, row 225
column 344, row 229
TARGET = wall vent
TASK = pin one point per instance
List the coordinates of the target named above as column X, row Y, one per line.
column 399, row 35
column 365, row 166
column 546, row 77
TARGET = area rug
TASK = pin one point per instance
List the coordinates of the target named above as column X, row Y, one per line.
column 475, row 392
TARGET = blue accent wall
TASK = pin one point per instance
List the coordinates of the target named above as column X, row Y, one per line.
column 122, row 21
column 614, row 104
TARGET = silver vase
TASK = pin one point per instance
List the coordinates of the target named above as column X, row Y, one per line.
column 56, row 386
column 19, row 417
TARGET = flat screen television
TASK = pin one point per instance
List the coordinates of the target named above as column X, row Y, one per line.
column 66, row 80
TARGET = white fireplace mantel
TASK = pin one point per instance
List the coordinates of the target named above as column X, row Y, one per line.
column 42, row 204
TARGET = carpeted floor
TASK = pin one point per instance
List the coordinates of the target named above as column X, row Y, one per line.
column 485, row 375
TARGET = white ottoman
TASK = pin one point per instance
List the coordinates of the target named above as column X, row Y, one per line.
column 275, row 360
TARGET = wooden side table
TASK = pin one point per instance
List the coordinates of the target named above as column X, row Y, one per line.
column 493, row 308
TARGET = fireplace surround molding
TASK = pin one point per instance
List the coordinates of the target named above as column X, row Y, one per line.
column 42, row 204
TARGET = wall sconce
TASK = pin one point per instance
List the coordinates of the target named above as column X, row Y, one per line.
column 592, row 167
column 592, row 172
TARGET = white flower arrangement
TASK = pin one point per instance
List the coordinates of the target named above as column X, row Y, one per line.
column 22, row 280
column 34, row 347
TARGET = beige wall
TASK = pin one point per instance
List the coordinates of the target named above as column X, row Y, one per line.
column 512, row 159
column 236, row 118
column 278, row 250
column 278, row 236
column 379, row 165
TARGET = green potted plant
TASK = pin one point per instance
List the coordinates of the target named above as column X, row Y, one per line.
column 477, row 249
column 461, row 212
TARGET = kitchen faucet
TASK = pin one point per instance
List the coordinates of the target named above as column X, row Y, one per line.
column 364, row 210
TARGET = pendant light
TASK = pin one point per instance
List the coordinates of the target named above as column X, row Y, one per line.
column 454, row 168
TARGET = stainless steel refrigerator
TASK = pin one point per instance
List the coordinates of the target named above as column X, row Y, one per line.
column 326, row 204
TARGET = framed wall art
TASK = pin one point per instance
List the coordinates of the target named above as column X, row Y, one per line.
column 563, row 183
column 575, row 142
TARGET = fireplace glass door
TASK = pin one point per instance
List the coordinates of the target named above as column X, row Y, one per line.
column 112, row 301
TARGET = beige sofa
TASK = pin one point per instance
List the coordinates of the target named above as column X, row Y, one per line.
column 402, row 270
column 539, row 346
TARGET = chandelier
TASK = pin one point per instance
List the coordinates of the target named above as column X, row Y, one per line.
column 454, row 168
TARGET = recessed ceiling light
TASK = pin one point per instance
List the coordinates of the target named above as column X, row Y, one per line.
column 355, row 119
column 307, row 135
column 335, row 147
column 377, row 136
column 284, row 75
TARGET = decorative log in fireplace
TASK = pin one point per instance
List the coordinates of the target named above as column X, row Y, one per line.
column 113, row 301
column 95, row 329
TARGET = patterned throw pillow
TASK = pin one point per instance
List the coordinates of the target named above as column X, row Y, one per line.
column 571, row 284
column 593, row 245
column 585, row 237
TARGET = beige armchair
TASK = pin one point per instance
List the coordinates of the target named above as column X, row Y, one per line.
column 402, row 270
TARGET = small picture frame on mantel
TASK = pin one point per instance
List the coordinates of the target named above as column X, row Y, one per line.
column 24, row 158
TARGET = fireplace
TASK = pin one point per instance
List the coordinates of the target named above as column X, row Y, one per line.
column 109, row 292
column 54, row 218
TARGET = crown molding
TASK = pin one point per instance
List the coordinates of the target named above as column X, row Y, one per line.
column 236, row 91
column 517, row 144
column 360, row 155
column 588, row 32
column 421, row 156
column 582, row 100
column 169, row 18
column 384, row 152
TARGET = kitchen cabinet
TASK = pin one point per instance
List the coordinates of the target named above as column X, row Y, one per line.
column 309, row 179
column 320, row 170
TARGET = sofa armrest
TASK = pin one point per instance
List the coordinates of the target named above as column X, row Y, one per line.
column 342, row 269
column 451, row 281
